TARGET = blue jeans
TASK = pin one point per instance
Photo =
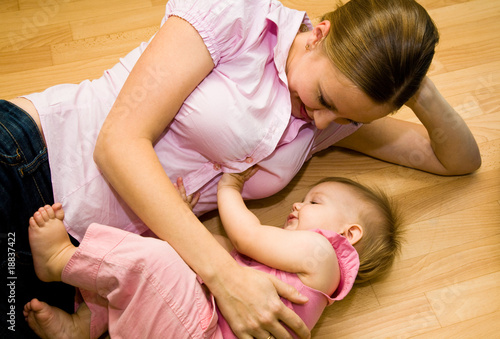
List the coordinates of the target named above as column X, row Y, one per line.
column 25, row 186
column 25, row 183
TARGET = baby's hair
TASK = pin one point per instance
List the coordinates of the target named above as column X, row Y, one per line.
column 382, row 230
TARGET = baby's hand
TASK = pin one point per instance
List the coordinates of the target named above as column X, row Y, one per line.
column 192, row 199
column 236, row 180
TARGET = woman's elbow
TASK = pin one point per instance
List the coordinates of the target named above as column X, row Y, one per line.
column 477, row 162
column 474, row 164
column 474, row 161
column 466, row 166
column 100, row 150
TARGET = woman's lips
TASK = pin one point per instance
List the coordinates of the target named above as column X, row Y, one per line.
column 304, row 114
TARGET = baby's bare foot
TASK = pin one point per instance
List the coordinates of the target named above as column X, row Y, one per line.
column 49, row 242
column 51, row 322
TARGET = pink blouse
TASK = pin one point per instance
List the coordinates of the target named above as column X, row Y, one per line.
column 237, row 117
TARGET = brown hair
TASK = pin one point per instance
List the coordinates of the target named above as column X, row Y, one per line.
column 382, row 231
column 384, row 46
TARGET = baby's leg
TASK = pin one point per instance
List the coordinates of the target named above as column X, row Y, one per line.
column 52, row 249
column 49, row 242
column 52, row 322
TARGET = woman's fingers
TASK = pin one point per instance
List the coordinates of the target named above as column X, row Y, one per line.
column 286, row 315
column 251, row 305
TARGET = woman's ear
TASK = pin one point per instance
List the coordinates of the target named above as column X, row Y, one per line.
column 318, row 33
column 353, row 233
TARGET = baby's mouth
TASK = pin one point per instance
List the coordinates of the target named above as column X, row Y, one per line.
column 291, row 217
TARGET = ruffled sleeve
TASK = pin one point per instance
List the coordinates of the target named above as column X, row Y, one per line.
column 224, row 25
column 348, row 260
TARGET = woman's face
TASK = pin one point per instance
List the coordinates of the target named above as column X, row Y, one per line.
column 320, row 93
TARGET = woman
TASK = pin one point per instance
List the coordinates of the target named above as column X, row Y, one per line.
column 221, row 87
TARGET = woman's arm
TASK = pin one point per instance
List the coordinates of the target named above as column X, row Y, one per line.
column 173, row 64
column 443, row 145
column 306, row 253
column 149, row 100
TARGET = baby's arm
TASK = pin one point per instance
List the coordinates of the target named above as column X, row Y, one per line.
column 192, row 199
column 306, row 253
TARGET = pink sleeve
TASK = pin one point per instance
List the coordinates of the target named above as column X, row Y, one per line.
column 223, row 24
column 348, row 260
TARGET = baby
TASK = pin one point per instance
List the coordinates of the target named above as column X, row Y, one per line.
column 139, row 287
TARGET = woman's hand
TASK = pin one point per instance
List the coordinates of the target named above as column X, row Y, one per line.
column 424, row 96
column 249, row 300
column 452, row 142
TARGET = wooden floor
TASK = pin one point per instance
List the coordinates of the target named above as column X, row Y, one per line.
column 446, row 283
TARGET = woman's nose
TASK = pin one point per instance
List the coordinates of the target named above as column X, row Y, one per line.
column 323, row 118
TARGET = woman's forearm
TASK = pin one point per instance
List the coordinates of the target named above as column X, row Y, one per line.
column 450, row 137
column 152, row 196
column 124, row 149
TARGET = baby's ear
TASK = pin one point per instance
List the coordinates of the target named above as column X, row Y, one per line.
column 353, row 233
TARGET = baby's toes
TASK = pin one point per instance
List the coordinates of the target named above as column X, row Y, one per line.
column 44, row 214
column 40, row 221
column 50, row 211
column 58, row 211
column 33, row 222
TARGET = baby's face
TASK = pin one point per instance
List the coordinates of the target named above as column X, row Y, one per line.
column 329, row 205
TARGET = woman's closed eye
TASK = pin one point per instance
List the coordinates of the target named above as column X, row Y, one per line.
column 323, row 102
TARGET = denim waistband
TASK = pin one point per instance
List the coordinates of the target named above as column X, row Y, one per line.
column 21, row 141
column 25, row 181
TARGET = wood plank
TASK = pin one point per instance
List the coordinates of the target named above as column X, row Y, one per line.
column 101, row 46
column 464, row 301
column 486, row 326
column 413, row 316
column 435, row 270
column 453, row 194
column 452, row 13
column 9, row 5
column 19, row 83
column 114, row 23
column 16, row 41
column 314, row 10
column 449, row 230
column 467, row 55
column 50, row 12
column 469, row 80
column 31, row 58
